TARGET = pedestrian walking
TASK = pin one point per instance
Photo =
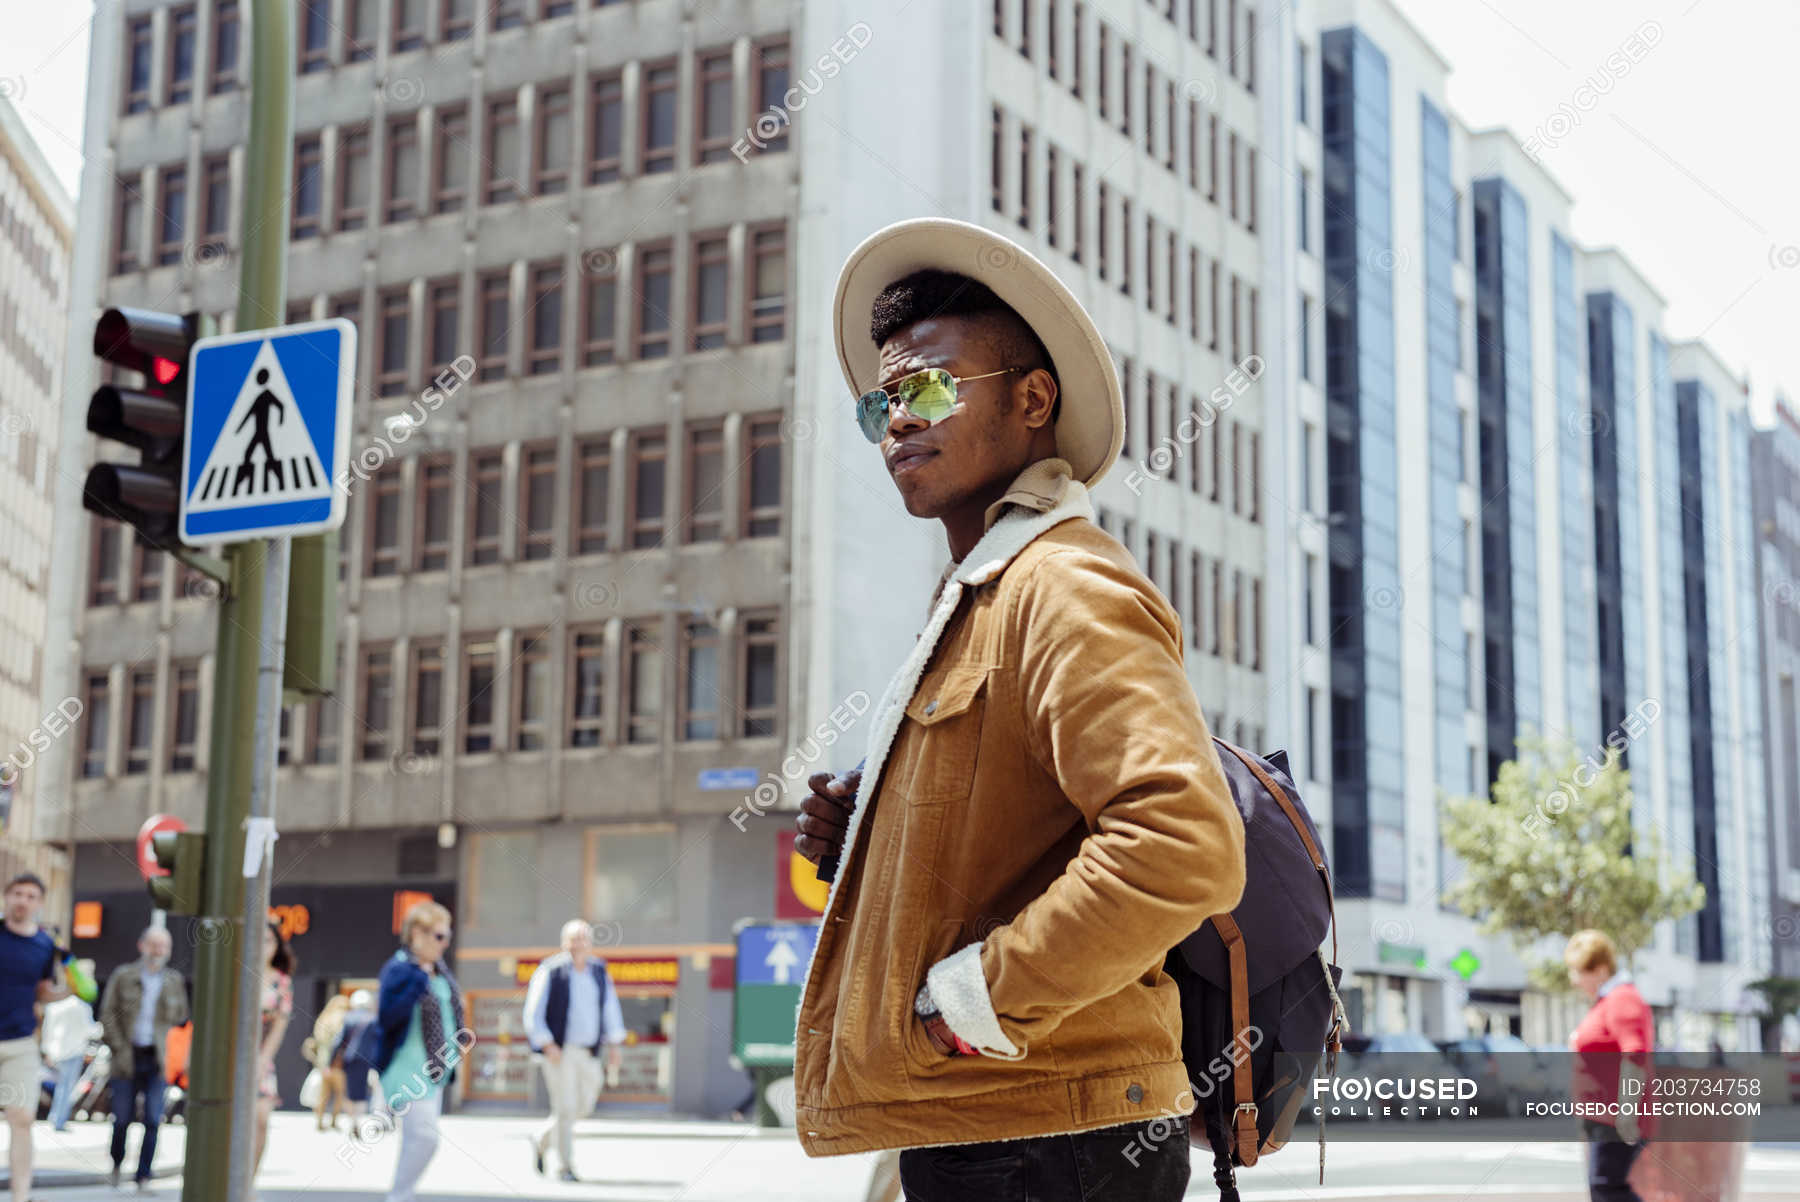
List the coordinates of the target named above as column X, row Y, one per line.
column 277, row 1009
column 1612, row 1045
column 142, row 1001
column 1041, row 814
column 349, row 1055
column 320, row 1048
column 28, row 976
column 68, row 1027
column 571, row 1010
column 423, row 1037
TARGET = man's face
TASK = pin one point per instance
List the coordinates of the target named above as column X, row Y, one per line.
column 939, row 467
column 154, row 947
column 578, row 944
column 22, row 902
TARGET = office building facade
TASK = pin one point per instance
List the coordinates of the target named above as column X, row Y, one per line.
column 1775, row 492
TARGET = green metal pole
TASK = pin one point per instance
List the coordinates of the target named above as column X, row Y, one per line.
column 231, row 767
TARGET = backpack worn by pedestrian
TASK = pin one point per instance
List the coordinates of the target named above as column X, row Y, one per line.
column 1259, row 1002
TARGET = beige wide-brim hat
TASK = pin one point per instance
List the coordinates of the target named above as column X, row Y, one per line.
column 1091, row 427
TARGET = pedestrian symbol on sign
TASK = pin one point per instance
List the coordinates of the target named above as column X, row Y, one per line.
column 264, row 451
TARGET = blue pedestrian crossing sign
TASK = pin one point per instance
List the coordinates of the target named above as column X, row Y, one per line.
column 268, row 432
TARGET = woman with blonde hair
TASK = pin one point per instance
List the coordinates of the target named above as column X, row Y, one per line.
column 331, row 1080
column 424, row 1035
column 1612, row 1046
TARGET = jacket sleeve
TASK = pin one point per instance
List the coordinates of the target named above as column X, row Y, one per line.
column 178, row 1013
column 537, row 998
column 1110, row 713
column 112, row 1029
column 401, row 984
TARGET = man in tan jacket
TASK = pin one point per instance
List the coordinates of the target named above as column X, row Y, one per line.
column 1041, row 815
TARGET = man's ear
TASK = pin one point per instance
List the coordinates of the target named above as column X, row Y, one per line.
column 1040, row 397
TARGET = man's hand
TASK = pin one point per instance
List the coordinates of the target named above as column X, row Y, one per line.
column 614, row 1057
column 939, row 1042
column 50, row 991
column 553, row 1053
column 825, row 814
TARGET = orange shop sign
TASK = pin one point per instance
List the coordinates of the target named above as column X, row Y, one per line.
column 662, row 970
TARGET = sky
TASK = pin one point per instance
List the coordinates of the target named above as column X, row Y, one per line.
column 1685, row 159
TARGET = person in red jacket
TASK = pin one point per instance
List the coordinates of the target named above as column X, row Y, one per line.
column 1612, row 1061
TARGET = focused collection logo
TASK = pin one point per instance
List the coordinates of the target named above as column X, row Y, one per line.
column 1394, row 1097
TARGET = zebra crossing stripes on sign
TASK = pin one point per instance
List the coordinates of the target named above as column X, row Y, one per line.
column 268, row 432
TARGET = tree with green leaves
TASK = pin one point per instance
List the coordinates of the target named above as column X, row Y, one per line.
column 1554, row 852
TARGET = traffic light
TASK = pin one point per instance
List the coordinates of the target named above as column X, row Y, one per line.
column 151, row 418
column 182, row 854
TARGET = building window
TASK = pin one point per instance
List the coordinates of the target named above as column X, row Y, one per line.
column 427, row 698
column 762, row 509
column 1078, row 217
column 546, row 319
column 1304, row 216
column 1212, row 157
column 712, row 128
column 359, row 38
column 1052, row 196
column 376, row 705
column 537, row 503
column 146, row 573
column 1255, row 321
column 1231, row 165
column 699, row 681
column 95, row 737
column 1306, row 324
column 215, row 217
column 445, row 300
column 308, row 159
column 1306, row 468
column 608, row 124
column 408, row 32
column 1105, row 243
column 184, row 25
column 655, row 272
column 141, row 716
column 452, row 175
column 1196, row 598
column 649, row 455
column 705, row 484
column 1256, row 624
column 599, row 323
column 171, row 215
column 1216, row 641
column 593, row 487
column 486, row 471
column 1125, row 245
column 554, row 127
column 384, row 521
column 390, row 355
column 494, row 327
column 103, row 569
column 759, row 651
column 1125, row 89
column 224, row 77
column 315, row 35
column 458, row 19
column 184, row 717
column 433, row 538
column 402, row 169
column 531, row 691
column 506, row 14
column 587, row 689
column 502, row 151
column 1024, row 177
column 644, row 665
column 139, row 46
column 768, row 285
column 1240, row 644
column 659, row 118
column 1237, row 297
column 478, row 696
column 709, row 292
column 771, row 86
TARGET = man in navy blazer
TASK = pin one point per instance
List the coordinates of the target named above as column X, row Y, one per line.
column 571, row 1010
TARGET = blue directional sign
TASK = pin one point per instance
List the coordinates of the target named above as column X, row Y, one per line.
column 729, row 778
column 268, row 432
column 775, row 954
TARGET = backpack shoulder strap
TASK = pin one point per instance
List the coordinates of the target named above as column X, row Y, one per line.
column 1293, row 815
column 1243, row 1118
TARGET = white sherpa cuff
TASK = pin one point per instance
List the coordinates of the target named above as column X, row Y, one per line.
column 959, row 987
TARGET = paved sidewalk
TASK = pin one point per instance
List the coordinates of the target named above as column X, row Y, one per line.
column 80, row 1154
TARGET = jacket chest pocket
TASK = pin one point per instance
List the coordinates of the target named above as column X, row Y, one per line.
column 946, row 714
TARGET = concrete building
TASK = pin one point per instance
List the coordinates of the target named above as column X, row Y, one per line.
column 36, row 228
column 1775, row 492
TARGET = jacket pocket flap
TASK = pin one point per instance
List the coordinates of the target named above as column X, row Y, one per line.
column 948, row 697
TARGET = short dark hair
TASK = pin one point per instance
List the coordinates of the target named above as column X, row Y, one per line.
column 284, row 960
column 26, row 878
column 933, row 293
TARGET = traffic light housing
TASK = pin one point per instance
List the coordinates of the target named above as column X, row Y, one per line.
column 152, row 418
column 182, row 854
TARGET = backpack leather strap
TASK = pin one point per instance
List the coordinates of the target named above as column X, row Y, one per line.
column 1243, row 1118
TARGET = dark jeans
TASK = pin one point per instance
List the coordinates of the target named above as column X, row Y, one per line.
column 146, row 1079
column 1138, row 1162
column 1609, row 1163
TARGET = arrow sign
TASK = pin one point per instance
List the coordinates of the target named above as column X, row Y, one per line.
column 781, row 960
column 268, row 430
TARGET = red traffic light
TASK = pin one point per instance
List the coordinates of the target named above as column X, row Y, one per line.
column 164, row 370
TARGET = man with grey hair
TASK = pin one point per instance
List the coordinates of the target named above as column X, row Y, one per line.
column 571, row 1009
column 142, row 1001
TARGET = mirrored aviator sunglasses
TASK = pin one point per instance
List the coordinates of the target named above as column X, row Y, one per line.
column 929, row 395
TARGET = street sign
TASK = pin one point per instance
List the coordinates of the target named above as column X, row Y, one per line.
column 268, row 432
column 771, row 959
column 1466, row 963
column 729, row 778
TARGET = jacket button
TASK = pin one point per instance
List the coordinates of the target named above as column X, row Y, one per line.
column 931, row 707
column 1135, row 1093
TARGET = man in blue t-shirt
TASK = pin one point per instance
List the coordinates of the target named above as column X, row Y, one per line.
column 28, row 964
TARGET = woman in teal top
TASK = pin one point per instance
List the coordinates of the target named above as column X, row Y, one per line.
column 423, row 1037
